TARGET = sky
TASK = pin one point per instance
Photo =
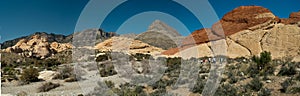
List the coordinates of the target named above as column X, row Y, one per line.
column 24, row 17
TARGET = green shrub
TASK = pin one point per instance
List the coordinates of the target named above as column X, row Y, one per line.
column 297, row 77
column 29, row 75
column 293, row 90
column 140, row 56
column 109, row 84
column 50, row 62
column 66, row 72
column 287, row 71
column 159, row 92
column 101, row 58
column 107, row 70
column 263, row 60
column 226, row 90
column 252, row 70
column 255, row 84
column 199, row 86
column 285, row 84
column 264, row 92
column 47, row 86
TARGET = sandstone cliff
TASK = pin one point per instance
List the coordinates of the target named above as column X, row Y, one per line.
column 246, row 31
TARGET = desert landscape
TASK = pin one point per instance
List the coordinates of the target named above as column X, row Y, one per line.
column 248, row 52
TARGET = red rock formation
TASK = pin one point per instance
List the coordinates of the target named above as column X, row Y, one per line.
column 242, row 18
column 293, row 18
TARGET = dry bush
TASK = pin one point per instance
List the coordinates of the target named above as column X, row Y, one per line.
column 47, row 86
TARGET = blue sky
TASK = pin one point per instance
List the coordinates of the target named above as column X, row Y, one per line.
column 24, row 17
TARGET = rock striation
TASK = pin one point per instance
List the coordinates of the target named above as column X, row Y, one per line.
column 245, row 31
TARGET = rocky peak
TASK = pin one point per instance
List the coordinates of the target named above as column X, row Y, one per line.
column 161, row 35
column 159, row 26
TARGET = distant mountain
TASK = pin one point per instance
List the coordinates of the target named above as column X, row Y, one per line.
column 245, row 31
column 43, row 45
column 160, row 35
column 50, row 38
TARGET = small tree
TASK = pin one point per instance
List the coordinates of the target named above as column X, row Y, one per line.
column 263, row 60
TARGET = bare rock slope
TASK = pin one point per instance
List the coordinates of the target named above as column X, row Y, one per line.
column 246, row 31
column 127, row 45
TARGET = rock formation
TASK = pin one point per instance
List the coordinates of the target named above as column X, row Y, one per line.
column 38, row 46
column 127, row 45
column 294, row 18
column 247, row 31
column 161, row 35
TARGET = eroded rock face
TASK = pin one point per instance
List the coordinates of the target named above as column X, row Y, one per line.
column 127, row 45
column 242, row 18
column 200, row 36
column 294, row 18
column 248, row 30
column 37, row 46
column 282, row 40
column 59, row 47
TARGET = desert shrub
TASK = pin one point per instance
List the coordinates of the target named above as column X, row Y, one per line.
column 159, row 92
column 109, row 84
column 159, row 84
column 101, row 58
column 226, row 90
column 140, row 56
column 293, row 90
column 252, row 70
column 66, row 72
column 29, row 75
column 50, row 62
column 263, row 60
column 8, row 71
column 21, row 93
column 139, row 89
column 45, row 87
column 107, row 70
column 199, row 86
column 232, row 78
column 287, row 71
column 264, row 92
column 130, row 90
column 285, row 84
column 255, row 84
column 297, row 77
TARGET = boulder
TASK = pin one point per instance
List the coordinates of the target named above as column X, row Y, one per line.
column 48, row 75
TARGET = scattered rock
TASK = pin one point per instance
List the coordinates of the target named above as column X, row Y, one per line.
column 48, row 75
column 21, row 93
column 268, row 81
